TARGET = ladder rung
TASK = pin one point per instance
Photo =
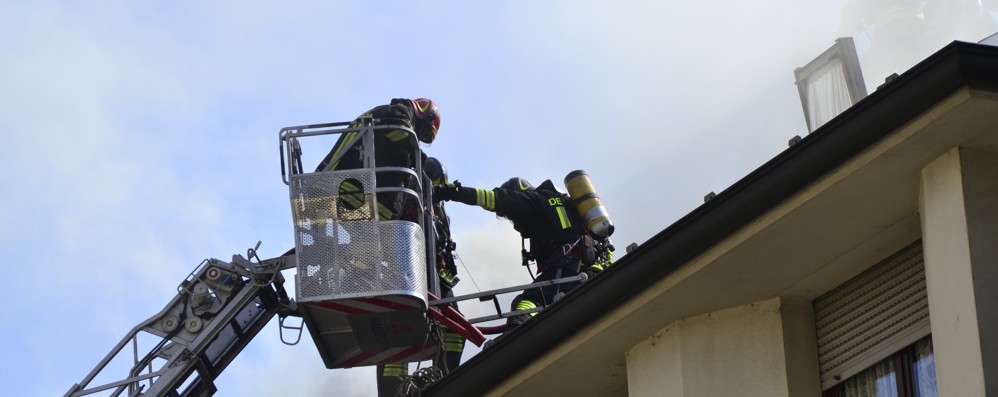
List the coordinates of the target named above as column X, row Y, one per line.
column 491, row 293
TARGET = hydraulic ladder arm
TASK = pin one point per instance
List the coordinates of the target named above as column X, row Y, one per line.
column 218, row 309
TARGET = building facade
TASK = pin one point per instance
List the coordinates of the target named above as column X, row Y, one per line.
column 861, row 261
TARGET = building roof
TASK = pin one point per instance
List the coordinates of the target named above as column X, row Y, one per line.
column 883, row 140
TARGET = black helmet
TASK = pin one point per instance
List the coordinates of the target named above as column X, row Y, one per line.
column 516, row 183
column 435, row 170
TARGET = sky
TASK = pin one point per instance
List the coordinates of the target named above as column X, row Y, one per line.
column 140, row 138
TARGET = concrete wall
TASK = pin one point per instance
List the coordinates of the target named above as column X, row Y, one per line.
column 762, row 349
column 959, row 211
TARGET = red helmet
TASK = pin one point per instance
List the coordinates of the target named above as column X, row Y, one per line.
column 426, row 111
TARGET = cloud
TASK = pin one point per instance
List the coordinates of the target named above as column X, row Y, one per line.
column 140, row 139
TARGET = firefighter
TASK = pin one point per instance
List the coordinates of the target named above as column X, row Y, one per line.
column 446, row 266
column 392, row 149
column 559, row 241
column 390, row 375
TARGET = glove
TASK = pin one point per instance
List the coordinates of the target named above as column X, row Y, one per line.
column 446, row 192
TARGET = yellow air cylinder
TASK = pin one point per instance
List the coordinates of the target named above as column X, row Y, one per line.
column 588, row 203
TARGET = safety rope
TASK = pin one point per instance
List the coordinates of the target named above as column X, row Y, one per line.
column 468, row 272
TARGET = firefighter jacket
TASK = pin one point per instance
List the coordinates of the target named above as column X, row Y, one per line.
column 541, row 215
column 393, row 148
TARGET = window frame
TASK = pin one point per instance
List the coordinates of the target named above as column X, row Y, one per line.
column 904, row 372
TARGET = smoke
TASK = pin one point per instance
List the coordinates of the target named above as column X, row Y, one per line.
column 892, row 36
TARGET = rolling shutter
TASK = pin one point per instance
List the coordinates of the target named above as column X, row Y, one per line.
column 871, row 316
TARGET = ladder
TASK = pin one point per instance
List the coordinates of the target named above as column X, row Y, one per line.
column 181, row 350
column 218, row 309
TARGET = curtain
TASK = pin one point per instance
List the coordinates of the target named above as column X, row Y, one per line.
column 879, row 380
column 925, row 369
column 918, row 368
column 828, row 94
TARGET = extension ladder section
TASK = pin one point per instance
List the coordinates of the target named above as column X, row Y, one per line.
column 181, row 350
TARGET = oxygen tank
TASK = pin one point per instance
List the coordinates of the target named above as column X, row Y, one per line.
column 588, row 203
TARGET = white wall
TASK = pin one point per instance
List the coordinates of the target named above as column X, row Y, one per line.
column 959, row 210
column 740, row 351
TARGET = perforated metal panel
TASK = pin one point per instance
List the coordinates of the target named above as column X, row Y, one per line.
column 343, row 249
column 872, row 316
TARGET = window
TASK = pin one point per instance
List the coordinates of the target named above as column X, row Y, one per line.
column 910, row 372
column 830, row 84
column 873, row 315
column 924, row 369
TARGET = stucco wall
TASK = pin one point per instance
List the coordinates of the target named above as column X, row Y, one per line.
column 959, row 208
column 738, row 351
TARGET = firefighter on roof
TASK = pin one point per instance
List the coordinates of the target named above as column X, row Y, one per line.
column 560, row 243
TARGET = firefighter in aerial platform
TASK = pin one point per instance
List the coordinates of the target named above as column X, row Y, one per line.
column 390, row 376
column 564, row 241
column 446, row 266
column 392, row 149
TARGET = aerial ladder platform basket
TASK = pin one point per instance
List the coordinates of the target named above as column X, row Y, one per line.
column 362, row 283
